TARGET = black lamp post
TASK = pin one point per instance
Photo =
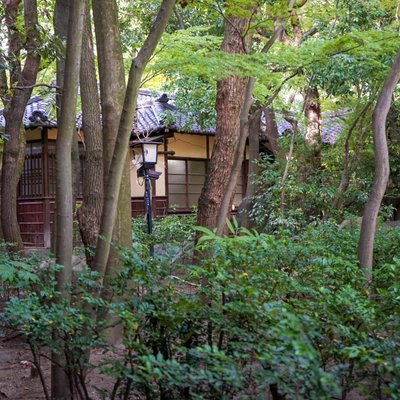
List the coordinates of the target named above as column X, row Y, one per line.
column 148, row 161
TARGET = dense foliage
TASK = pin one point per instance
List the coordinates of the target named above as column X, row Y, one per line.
column 275, row 312
column 285, row 309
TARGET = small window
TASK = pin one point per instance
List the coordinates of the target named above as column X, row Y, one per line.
column 185, row 181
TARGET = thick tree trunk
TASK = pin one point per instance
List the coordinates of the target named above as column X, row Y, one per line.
column 64, row 212
column 381, row 177
column 111, row 73
column 238, row 160
column 312, row 112
column 229, row 103
column 90, row 212
column 15, row 107
column 10, row 179
column 112, row 93
column 116, row 169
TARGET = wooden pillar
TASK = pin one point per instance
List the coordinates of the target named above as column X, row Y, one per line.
column 165, row 177
column 45, row 189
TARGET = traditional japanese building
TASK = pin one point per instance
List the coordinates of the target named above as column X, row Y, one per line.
column 182, row 161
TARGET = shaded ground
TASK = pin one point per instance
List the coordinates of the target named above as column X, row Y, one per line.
column 20, row 381
column 17, row 379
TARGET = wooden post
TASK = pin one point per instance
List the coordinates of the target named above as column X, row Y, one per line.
column 166, row 193
column 153, row 197
column 45, row 189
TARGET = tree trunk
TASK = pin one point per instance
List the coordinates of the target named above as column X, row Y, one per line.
column 64, row 211
column 112, row 92
column 347, row 162
column 90, row 212
column 116, row 169
column 60, row 24
column 312, row 112
column 381, row 177
column 229, row 104
column 238, row 160
column 271, row 132
column 246, row 206
column 15, row 107
column 394, row 133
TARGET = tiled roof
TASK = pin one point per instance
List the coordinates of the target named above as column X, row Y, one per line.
column 151, row 112
column 37, row 113
column 332, row 125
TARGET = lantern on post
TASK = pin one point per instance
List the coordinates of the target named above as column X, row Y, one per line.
column 148, row 160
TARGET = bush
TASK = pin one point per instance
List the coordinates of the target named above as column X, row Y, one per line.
column 170, row 234
column 259, row 313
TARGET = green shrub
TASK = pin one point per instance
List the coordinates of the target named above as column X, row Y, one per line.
column 259, row 312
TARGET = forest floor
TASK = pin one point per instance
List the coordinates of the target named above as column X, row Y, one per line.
column 17, row 380
column 20, row 381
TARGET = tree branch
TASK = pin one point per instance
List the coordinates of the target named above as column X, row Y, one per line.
column 36, row 85
column 178, row 16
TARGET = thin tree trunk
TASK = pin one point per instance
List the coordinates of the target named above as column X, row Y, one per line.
column 76, row 168
column 238, row 160
column 271, row 132
column 345, row 178
column 286, row 171
column 181, row 22
column 245, row 207
column 381, row 177
column 229, row 104
column 122, row 144
column 64, row 216
column 4, row 98
column 15, row 107
column 90, row 212
column 60, row 24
